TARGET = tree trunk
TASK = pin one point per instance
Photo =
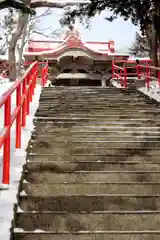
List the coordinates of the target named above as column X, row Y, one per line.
column 12, row 47
column 24, row 34
column 154, row 45
column 148, row 33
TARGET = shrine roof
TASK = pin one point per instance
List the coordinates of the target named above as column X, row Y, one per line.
column 70, row 40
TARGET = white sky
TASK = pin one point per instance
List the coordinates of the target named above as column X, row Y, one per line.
column 123, row 33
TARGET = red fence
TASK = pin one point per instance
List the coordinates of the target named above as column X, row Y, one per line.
column 24, row 88
column 44, row 74
column 124, row 70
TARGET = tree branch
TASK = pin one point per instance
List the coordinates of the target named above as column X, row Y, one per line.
column 52, row 4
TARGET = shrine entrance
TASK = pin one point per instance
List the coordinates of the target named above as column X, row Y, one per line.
column 75, row 62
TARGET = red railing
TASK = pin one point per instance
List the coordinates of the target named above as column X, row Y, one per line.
column 119, row 73
column 143, row 70
column 44, row 74
column 24, row 88
column 148, row 73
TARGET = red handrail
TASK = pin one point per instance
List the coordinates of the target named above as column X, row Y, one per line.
column 146, row 71
column 149, row 73
column 24, row 88
column 120, row 73
column 44, row 75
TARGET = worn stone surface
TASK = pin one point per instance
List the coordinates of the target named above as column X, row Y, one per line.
column 92, row 165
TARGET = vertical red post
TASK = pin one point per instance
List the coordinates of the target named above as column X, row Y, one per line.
column 121, row 78
column 18, row 118
column 113, row 69
column 7, row 143
column 31, row 77
column 138, row 72
column 24, row 106
column 116, row 72
column 42, row 79
column 46, row 73
column 28, row 93
column 147, row 77
column 35, row 77
column 125, row 77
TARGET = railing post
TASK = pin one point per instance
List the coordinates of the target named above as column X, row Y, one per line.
column 147, row 77
column 24, row 106
column 42, row 77
column 125, row 77
column 28, row 93
column 31, row 76
column 112, row 69
column 121, row 78
column 47, row 73
column 35, row 77
column 7, row 143
column 18, row 118
column 138, row 72
column 116, row 72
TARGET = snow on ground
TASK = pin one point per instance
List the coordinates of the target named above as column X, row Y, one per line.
column 152, row 92
column 8, row 197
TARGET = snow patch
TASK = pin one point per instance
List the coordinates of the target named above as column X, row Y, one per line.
column 152, row 92
column 18, row 158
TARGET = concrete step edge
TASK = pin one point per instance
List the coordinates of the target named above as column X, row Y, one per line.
column 113, row 171
column 93, row 161
column 21, row 231
column 120, row 212
column 25, row 195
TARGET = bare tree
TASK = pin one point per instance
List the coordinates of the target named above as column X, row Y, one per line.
column 18, row 31
column 22, row 23
column 140, row 47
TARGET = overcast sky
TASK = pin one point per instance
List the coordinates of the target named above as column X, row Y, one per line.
column 123, row 33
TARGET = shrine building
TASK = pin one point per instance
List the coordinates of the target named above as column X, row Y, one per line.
column 73, row 61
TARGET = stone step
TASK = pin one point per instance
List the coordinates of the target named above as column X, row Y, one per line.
column 48, row 128
column 93, row 138
column 88, row 148
column 64, row 166
column 123, row 117
column 103, row 116
column 115, row 110
column 123, row 112
column 93, row 176
column 130, row 152
column 81, row 127
column 84, row 143
column 92, row 169
column 89, row 203
column 116, row 149
column 99, row 221
column 95, row 122
column 100, row 100
column 150, row 156
column 96, row 103
column 93, row 107
column 69, row 189
column 39, row 235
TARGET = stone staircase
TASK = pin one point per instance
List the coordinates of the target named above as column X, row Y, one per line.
column 93, row 168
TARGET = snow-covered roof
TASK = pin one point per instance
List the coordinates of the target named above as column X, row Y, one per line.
column 71, row 40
